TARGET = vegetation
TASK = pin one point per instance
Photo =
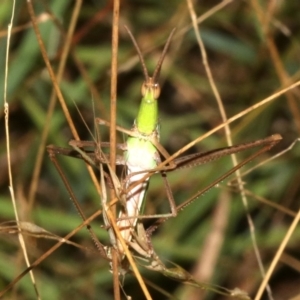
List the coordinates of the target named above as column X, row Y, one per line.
column 253, row 52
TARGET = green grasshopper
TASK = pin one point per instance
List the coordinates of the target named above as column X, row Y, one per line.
column 142, row 157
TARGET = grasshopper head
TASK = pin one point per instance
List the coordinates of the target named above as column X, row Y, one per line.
column 149, row 86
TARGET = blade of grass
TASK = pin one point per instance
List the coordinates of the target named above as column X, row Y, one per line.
column 11, row 183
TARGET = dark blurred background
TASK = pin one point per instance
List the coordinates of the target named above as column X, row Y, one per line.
column 253, row 51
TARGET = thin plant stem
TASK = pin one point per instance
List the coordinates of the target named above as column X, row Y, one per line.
column 113, row 112
column 50, row 251
column 11, row 183
column 229, row 141
column 52, row 103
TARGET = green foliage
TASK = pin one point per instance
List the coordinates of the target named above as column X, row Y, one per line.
column 244, row 72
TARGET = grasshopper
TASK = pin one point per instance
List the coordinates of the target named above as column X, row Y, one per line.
column 143, row 154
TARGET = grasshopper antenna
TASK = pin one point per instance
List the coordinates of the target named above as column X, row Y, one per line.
column 159, row 64
column 162, row 57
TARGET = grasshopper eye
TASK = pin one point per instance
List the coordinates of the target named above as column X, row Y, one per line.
column 144, row 89
column 156, row 90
